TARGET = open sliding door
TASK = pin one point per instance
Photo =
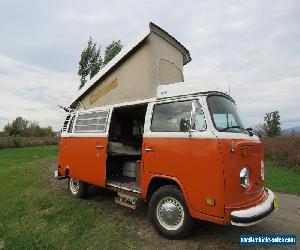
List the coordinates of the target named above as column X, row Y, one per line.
column 89, row 146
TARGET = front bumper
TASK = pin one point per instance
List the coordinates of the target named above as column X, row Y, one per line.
column 255, row 214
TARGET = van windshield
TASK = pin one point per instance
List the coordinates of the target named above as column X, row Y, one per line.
column 224, row 115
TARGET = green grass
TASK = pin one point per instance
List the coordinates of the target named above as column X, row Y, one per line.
column 36, row 212
column 281, row 179
column 34, row 215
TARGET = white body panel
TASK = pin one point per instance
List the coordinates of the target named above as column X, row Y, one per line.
column 180, row 89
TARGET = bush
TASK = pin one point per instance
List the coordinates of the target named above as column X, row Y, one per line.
column 18, row 141
column 283, row 151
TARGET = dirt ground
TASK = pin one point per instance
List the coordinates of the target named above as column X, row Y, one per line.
column 286, row 220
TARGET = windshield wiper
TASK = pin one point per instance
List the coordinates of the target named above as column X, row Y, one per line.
column 249, row 130
column 229, row 127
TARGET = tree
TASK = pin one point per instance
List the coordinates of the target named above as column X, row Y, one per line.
column 25, row 128
column 272, row 124
column 18, row 126
column 91, row 60
column 111, row 51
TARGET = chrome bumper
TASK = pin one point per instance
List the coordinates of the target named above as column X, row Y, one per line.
column 255, row 214
column 56, row 174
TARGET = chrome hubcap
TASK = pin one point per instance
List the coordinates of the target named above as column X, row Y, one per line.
column 74, row 186
column 170, row 213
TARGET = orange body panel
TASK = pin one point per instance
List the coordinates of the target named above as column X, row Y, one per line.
column 86, row 158
column 64, row 155
column 195, row 163
column 237, row 197
column 201, row 167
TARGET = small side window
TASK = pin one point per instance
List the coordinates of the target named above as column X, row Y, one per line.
column 91, row 122
column 175, row 116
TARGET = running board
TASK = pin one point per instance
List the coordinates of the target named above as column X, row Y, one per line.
column 123, row 188
column 126, row 200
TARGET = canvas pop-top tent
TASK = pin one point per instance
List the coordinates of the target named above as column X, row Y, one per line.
column 153, row 59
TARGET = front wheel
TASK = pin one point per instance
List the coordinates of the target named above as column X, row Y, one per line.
column 169, row 214
column 77, row 188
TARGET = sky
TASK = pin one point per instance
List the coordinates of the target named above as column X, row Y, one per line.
column 253, row 46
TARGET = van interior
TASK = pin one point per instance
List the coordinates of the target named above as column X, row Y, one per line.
column 124, row 150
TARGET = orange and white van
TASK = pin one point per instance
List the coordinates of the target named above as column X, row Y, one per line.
column 185, row 152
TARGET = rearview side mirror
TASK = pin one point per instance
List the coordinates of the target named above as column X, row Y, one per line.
column 250, row 131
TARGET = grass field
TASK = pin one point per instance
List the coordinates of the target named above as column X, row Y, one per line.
column 36, row 211
column 283, row 180
column 35, row 214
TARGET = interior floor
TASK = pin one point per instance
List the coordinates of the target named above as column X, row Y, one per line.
column 124, row 182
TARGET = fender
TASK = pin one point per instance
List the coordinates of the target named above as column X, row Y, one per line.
column 150, row 176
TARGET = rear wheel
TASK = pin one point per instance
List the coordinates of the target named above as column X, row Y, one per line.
column 77, row 188
column 169, row 214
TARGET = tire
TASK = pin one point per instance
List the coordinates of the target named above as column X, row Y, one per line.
column 169, row 214
column 77, row 188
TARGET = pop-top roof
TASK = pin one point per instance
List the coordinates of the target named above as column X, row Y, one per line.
column 126, row 51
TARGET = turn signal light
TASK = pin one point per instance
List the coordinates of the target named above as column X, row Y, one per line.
column 210, row 201
column 245, row 152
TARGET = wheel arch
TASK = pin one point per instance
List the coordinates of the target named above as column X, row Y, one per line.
column 158, row 181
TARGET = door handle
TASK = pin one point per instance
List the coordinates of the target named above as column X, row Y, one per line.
column 149, row 149
column 99, row 147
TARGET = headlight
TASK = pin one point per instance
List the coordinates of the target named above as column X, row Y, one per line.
column 244, row 177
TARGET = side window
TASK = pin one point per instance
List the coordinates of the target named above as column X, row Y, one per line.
column 91, row 122
column 175, row 116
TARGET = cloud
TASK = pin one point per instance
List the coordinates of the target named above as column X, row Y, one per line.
column 33, row 93
column 77, row 18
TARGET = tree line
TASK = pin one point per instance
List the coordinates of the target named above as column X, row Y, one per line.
column 25, row 128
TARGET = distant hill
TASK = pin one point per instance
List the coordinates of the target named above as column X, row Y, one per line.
column 290, row 130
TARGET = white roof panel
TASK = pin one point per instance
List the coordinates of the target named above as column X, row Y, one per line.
column 182, row 89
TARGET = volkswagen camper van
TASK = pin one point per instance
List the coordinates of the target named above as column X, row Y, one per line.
column 185, row 152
